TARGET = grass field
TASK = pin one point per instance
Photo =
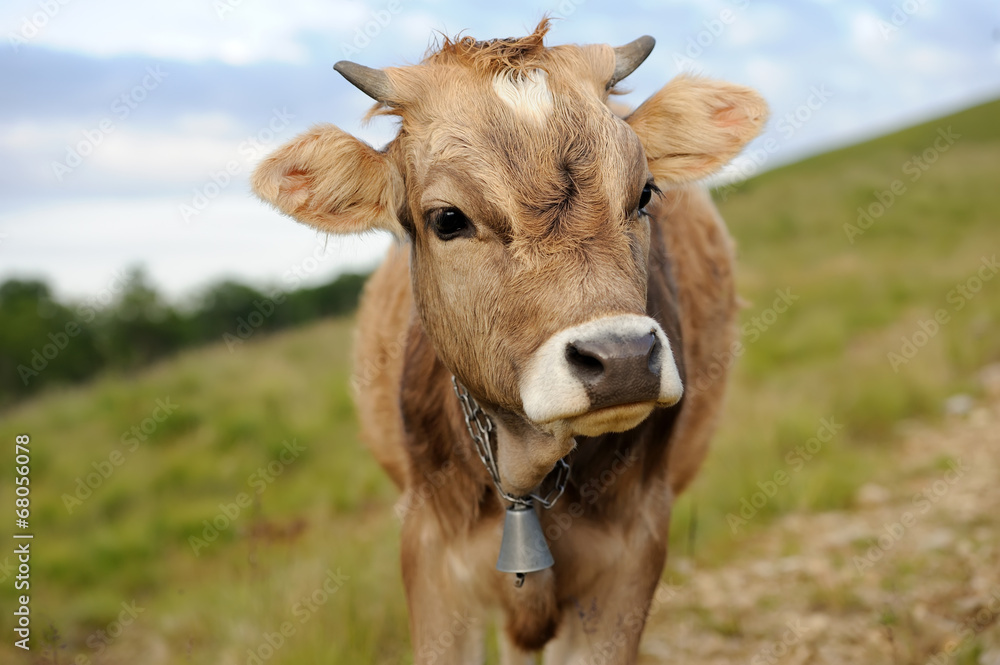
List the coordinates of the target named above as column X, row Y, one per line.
column 243, row 489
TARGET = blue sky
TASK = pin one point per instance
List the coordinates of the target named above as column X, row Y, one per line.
column 119, row 118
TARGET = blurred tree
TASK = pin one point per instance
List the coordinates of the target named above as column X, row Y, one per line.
column 221, row 307
column 139, row 326
column 43, row 342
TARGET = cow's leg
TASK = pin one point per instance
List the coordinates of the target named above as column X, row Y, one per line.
column 604, row 627
column 443, row 632
column 604, row 622
column 446, row 628
column 510, row 653
column 568, row 643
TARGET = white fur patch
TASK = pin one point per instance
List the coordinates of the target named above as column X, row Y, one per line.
column 525, row 92
column 549, row 389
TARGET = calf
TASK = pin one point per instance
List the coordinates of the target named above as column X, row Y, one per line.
column 558, row 268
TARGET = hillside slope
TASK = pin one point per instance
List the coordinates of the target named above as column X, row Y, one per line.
column 861, row 344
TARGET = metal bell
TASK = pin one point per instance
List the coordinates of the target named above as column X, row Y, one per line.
column 523, row 548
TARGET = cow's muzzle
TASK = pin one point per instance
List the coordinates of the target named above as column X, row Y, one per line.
column 604, row 375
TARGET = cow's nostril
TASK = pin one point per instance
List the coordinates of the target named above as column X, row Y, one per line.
column 584, row 360
column 654, row 354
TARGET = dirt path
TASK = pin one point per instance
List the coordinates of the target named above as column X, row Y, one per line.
column 910, row 576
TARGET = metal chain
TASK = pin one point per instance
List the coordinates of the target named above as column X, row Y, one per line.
column 480, row 428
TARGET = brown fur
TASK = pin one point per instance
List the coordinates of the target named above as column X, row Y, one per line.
column 557, row 242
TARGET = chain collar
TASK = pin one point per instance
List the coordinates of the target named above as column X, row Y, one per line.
column 480, row 429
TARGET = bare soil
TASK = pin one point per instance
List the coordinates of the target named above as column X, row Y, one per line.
column 909, row 575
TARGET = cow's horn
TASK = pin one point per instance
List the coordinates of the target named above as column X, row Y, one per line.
column 630, row 56
column 372, row 82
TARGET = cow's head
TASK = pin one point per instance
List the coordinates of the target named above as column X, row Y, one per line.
column 523, row 197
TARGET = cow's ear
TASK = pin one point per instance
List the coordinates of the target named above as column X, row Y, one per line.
column 328, row 179
column 692, row 127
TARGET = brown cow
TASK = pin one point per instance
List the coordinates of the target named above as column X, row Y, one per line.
column 539, row 264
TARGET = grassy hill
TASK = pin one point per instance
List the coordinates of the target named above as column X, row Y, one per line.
column 860, row 296
column 217, row 493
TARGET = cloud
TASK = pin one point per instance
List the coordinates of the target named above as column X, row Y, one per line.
column 232, row 31
column 120, row 159
column 82, row 245
column 135, row 140
column 866, row 38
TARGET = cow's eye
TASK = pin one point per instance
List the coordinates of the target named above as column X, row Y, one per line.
column 646, row 196
column 450, row 223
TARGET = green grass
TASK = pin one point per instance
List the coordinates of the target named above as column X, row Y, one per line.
column 827, row 356
column 331, row 508
column 129, row 539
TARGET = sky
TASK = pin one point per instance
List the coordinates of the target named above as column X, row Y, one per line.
column 128, row 129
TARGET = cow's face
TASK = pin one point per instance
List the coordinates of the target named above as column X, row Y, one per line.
column 524, row 198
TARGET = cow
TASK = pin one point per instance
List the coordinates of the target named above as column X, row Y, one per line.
column 560, row 272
